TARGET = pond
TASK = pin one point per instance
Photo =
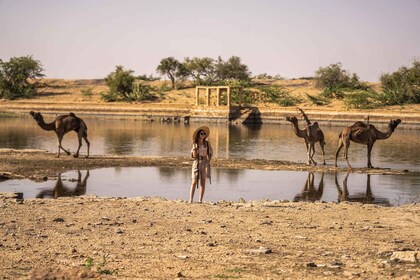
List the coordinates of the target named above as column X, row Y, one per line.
column 267, row 141
column 227, row 184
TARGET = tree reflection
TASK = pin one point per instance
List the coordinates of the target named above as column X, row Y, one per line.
column 309, row 193
column 365, row 198
column 61, row 189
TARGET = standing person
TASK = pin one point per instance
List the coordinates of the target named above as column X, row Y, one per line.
column 202, row 153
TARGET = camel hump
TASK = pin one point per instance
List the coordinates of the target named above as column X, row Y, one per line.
column 72, row 114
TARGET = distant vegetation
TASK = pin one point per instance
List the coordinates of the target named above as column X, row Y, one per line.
column 401, row 87
column 19, row 78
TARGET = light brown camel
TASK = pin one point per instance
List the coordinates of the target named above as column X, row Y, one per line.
column 61, row 190
column 365, row 134
column 62, row 125
column 311, row 134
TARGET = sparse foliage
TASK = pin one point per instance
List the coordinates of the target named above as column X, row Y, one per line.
column 402, row 86
column 120, row 83
column 173, row 69
column 18, row 77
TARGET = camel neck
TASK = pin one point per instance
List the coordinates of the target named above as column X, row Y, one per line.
column 47, row 126
column 298, row 131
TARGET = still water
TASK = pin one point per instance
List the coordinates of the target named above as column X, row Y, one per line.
column 227, row 184
column 267, row 141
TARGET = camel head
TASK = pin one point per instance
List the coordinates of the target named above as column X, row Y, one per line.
column 292, row 119
column 393, row 124
column 37, row 116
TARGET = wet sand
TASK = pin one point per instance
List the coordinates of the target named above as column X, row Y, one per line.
column 153, row 238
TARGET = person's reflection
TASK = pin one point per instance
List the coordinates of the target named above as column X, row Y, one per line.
column 62, row 190
column 365, row 198
column 309, row 193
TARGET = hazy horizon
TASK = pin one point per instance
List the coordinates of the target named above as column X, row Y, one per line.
column 87, row 39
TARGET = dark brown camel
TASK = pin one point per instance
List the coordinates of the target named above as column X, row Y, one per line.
column 311, row 134
column 365, row 134
column 62, row 125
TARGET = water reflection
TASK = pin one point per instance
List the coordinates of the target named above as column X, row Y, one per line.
column 60, row 189
column 267, row 141
column 366, row 198
column 309, row 192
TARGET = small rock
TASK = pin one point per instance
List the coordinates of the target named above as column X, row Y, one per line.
column 261, row 250
column 311, row 264
column 58, row 220
column 405, row 256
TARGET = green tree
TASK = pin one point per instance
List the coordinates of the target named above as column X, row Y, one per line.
column 232, row 69
column 202, row 70
column 402, row 86
column 18, row 77
column 172, row 68
column 334, row 80
column 120, row 83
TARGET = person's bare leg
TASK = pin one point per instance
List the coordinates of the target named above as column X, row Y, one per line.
column 192, row 190
column 202, row 188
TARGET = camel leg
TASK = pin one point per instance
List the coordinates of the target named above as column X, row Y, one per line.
column 79, row 137
column 346, row 151
column 307, row 153
column 340, row 145
column 88, row 144
column 312, row 152
column 323, row 152
column 370, row 146
column 60, row 139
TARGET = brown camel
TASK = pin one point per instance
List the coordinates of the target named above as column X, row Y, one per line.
column 311, row 134
column 365, row 134
column 62, row 125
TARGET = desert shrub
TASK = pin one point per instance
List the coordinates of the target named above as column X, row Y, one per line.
column 362, row 100
column 278, row 95
column 143, row 92
column 120, row 83
column 19, row 77
column 150, row 78
column 319, row 100
column 87, row 92
column 402, row 86
column 335, row 81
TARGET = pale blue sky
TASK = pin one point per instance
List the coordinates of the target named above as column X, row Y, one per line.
column 83, row 39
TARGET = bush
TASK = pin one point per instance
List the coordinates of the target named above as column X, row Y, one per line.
column 120, row 83
column 319, row 100
column 278, row 95
column 18, row 77
column 401, row 87
column 143, row 92
column 362, row 100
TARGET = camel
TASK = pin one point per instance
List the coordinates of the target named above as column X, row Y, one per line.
column 62, row 125
column 311, row 134
column 365, row 134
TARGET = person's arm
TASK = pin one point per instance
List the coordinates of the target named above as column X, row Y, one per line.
column 210, row 151
column 194, row 151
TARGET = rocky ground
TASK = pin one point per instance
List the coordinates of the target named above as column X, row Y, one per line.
column 91, row 237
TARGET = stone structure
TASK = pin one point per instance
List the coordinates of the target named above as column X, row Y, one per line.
column 218, row 89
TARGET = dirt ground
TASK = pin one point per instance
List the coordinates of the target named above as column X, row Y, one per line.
column 152, row 238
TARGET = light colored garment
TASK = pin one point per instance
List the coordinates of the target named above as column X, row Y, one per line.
column 202, row 163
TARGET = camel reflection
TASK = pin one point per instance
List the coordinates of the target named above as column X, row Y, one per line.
column 61, row 189
column 365, row 198
column 309, row 193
